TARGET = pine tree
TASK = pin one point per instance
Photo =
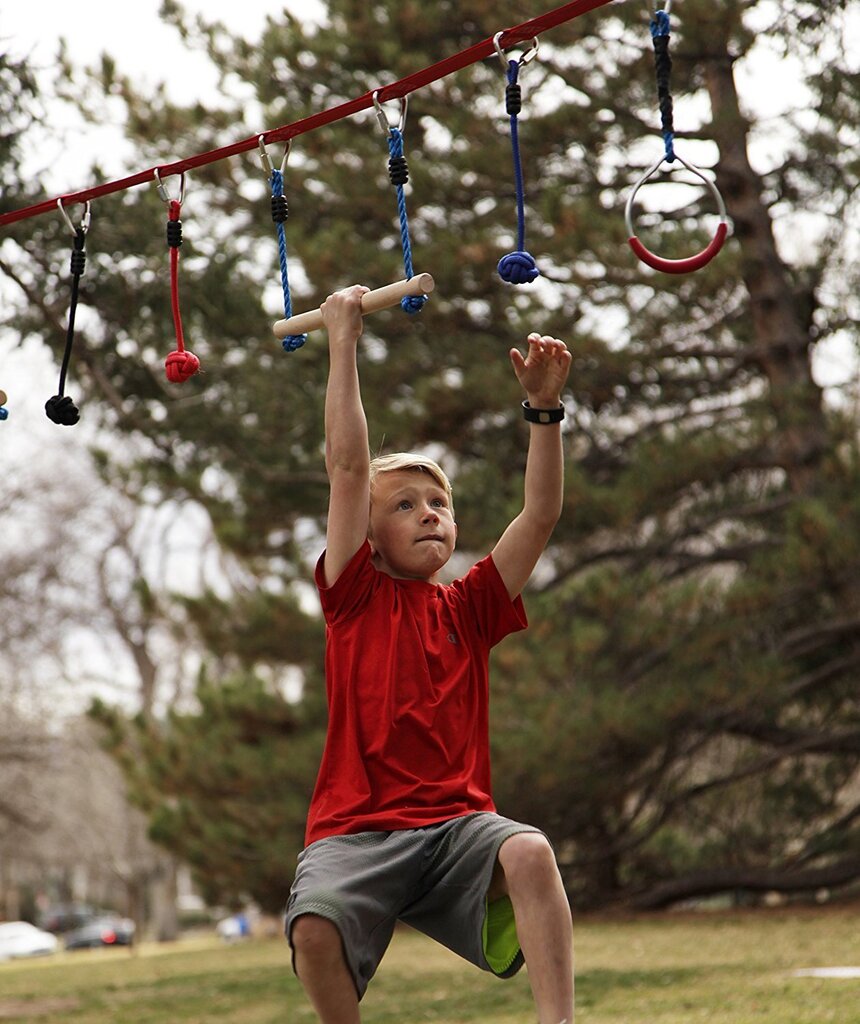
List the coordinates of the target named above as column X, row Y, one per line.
column 206, row 781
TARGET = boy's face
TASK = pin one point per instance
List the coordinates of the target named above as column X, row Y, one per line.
column 412, row 530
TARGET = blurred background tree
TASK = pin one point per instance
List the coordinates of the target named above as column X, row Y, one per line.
column 682, row 716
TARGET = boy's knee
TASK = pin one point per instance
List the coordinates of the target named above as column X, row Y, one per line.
column 315, row 938
column 527, row 858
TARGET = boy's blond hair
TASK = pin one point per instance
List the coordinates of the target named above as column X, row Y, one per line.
column 409, row 461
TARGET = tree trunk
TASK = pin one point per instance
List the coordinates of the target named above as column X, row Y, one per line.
column 162, row 894
column 136, row 902
column 781, row 345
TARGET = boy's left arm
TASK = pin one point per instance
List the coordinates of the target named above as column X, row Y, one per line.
column 542, row 374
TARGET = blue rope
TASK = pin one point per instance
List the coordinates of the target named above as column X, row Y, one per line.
column 411, row 304
column 292, row 341
column 660, row 24
column 517, row 267
column 663, row 64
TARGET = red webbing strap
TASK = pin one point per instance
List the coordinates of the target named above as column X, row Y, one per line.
column 482, row 50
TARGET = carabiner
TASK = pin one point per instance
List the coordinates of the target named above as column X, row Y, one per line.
column 526, row 58
column 268, row 170
column 382, row 117
column 162, row 191
column 85, row 220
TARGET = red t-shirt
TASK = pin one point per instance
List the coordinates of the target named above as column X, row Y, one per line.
column 408, row 697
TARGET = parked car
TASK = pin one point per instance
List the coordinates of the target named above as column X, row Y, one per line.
column 109, row 930
column 19, row 938
column 63, row 917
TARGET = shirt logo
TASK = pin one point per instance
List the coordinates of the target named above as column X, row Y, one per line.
column 452, row 638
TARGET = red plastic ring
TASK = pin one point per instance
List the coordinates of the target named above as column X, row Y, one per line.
column 684, row 266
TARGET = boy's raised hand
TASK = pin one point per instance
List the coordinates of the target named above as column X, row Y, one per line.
column 543, row 372
column 341, row 313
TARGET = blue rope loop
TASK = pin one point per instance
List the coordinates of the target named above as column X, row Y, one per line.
column 660, row 33
column 410, row 304
column 517, row 267
column 292, row 341
column 660, row 24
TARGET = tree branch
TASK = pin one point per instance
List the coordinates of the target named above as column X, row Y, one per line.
column 751, row 879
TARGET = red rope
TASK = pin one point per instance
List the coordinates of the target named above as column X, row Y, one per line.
column 443, row 68
column 173, row 214
column 179, row 365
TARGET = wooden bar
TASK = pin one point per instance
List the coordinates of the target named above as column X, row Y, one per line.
column 371, row 302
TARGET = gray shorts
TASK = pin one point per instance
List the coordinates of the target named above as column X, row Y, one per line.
column 434, row 878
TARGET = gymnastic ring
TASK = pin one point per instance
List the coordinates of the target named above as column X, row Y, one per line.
column 691, row 263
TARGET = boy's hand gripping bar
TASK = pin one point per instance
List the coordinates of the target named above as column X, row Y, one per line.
column 371, row 302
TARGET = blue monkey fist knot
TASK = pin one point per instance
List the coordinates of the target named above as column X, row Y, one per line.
column 293, row 342
column 518, row 268
column 412, row 303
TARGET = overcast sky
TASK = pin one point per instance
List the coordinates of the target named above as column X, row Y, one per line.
column 143, row 46
column 133, row 33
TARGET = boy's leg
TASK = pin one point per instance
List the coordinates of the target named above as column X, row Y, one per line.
column 322, row 970
column 530, row 876
column 477, row 860
column 343, row 906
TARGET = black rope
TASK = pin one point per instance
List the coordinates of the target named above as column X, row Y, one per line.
column 663, row 66
column 61, row 409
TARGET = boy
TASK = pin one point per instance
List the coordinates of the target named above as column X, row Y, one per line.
column 402, row 824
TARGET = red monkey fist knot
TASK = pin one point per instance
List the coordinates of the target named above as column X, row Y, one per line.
column 179, row 366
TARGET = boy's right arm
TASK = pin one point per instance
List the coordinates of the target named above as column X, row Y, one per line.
column 347, row 452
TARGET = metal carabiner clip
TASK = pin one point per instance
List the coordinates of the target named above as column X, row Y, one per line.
column 526, row 58
column 382, row 117
column 85, row 220
column 268, row 169
column 162, row 191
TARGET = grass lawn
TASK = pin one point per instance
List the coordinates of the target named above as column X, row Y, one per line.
column 720, row 968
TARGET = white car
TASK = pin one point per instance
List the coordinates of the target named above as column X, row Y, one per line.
column 18, row 938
